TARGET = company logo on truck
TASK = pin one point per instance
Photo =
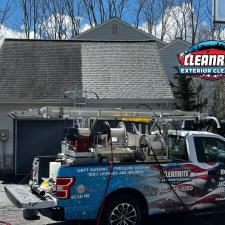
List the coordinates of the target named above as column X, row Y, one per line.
column 205, row 60
column 176, row 176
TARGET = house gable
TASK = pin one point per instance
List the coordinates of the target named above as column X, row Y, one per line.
column 168, row 55
column 117, row 30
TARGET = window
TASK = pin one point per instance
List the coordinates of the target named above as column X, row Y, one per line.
column 177, row 149
column 210, row 149
column 115, row 28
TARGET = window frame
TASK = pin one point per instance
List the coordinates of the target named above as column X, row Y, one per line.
column 200, row 152
column 115, row 31
column 172, row 147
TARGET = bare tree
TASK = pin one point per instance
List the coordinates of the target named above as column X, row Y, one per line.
column 171, row 19
column 116, row 8
column 102, row 10
column 50, row 19
column 5, row 11
column 196, row 15
column 75, row 12
column 165, row 14
column 120, row 8
column 98, row 11
column 181, row 18
column 31, row 13
column 90, row 11
column 138, row 12
column 184, row 19
column 151, row 11
column 26, row 7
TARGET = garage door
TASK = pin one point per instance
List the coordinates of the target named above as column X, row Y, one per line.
column 37, row 138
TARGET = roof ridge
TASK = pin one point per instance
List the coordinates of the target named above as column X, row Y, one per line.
column 74, row 40
column 174, row 41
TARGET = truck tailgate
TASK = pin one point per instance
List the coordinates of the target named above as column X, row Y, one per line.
column 22, row 197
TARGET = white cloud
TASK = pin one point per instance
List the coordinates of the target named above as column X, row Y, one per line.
column 173, row 23
column 85, row 27
column 177, row 21
column 143, row 27
column 57, row 22
column 6, row 32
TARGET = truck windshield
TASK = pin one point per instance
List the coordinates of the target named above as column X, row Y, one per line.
column 209, row 149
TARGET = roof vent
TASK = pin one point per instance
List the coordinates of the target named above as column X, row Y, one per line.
column 115, row 28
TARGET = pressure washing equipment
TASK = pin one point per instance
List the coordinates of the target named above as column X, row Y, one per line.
column 112, row 140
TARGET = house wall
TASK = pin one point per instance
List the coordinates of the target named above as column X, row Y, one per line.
column 169, row 57
column 6, row 123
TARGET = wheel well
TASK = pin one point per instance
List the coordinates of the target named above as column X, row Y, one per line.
column 132, row 192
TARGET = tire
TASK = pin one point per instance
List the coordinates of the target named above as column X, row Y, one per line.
column 123, row 210
column 29, row 214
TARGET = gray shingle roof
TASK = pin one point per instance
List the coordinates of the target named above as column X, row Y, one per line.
column 46, row 69
column 124, row 70
column 39, row 69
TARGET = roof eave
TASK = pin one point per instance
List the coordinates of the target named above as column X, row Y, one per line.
column 101, row 100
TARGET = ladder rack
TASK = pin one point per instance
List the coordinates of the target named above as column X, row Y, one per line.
column 71, row 113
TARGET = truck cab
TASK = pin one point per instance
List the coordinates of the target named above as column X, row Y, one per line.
column 165, row 172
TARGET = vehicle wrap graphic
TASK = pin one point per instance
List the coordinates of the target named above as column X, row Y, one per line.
column 192, row 183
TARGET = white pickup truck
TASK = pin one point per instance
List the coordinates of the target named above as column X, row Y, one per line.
column 190, row 175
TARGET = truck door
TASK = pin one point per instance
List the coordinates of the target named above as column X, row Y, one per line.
column 177, row 188
column 210, row 152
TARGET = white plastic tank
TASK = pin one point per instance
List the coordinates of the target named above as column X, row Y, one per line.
column 53, row 169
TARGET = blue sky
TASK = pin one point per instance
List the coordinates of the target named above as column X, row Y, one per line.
column 15, row 19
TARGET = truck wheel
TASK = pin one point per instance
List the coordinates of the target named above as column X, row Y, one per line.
column 29, row 214
column 123, row 210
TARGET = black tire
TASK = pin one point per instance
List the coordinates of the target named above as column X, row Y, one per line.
column 123, row 208
column 29, row 214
